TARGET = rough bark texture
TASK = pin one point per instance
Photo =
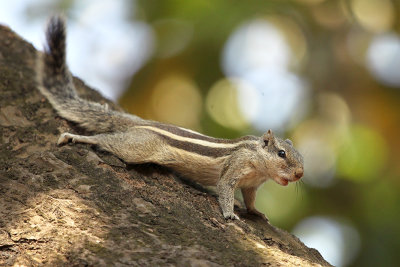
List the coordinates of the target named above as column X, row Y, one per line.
column 75, row 206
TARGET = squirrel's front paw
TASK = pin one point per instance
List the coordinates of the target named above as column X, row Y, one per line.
column 231, row 215
column 65, row 138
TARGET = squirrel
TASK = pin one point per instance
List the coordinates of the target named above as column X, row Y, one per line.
column 245, row 162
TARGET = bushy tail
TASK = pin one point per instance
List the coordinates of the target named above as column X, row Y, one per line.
column 54, row 78
column 55, row 82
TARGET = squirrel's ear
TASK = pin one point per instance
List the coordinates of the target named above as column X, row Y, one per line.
column 268, row 138
column 289, row 142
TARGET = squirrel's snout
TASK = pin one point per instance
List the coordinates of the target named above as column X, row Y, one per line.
column 299, row 173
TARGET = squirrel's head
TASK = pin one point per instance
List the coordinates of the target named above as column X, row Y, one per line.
column 287, row 162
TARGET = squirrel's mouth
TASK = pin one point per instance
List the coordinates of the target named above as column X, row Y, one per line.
column 283, row 181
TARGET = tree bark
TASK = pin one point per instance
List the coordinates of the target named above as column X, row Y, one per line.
column 74, row 205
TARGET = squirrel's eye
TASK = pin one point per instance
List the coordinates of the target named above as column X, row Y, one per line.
column 282, row 154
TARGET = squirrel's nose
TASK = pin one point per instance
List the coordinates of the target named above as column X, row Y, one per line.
column 298, row 173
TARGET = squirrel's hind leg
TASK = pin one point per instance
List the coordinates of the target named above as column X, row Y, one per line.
column 128, row 146
column 113, row 143
column 74, row 138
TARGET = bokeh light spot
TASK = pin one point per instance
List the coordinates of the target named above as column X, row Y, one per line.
column 329, row 14
column 338, row 242
column 222, row 103
column 374, row 15
column 255, row 44
column 282, row 98
column 176, row 99
column 258, row 53
column 383, row 58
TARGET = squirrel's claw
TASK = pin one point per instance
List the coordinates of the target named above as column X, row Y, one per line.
column 231, row 215
column 65, row 138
